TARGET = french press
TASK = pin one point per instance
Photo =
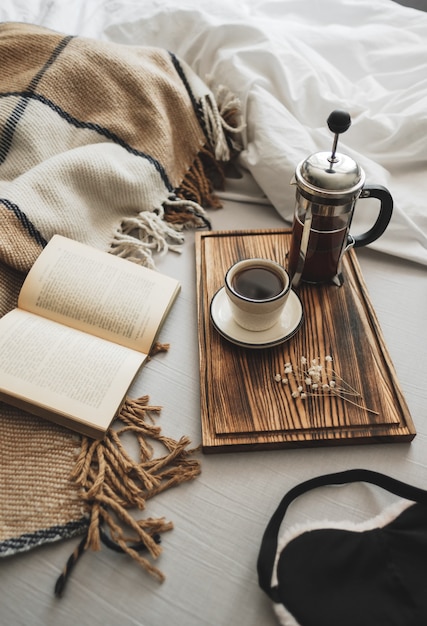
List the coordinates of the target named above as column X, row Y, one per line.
column 328, row 185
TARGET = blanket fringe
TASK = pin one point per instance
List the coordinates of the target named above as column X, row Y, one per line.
column 112, row 482
column 139, row 235
column 158, row 347
column 182, row 211
column 160, row 229
column 205, row 175
column 223, row 121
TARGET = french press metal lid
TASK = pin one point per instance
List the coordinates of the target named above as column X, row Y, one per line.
column 327, row 176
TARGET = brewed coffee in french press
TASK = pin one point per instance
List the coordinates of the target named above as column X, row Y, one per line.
column 328, row 185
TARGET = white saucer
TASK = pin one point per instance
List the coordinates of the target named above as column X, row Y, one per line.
column 288, row 324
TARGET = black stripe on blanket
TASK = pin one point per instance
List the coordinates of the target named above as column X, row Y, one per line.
column 17, row 113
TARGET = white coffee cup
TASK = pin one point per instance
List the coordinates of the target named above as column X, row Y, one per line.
column 257, row 290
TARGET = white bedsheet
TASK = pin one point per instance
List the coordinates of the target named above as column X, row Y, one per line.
column 291, row 62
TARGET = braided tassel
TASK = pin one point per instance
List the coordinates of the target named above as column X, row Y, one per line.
column 69, row 566
column 112, row 482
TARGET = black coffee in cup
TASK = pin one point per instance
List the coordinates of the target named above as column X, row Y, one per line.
column 257, row 290
column 258, row 283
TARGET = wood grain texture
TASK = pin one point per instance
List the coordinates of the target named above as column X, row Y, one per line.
column 243, row 407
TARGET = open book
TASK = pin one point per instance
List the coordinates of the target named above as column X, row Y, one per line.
column 84, row 325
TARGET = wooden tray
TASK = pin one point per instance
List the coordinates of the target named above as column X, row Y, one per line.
column 245, row 407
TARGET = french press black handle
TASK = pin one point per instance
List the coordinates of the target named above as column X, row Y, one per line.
column 384, row 215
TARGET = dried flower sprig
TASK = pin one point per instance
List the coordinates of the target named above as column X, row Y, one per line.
column 311, row 377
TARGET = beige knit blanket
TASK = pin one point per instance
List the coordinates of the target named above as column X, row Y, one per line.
column 118, row 147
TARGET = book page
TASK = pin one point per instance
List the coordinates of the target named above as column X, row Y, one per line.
column 64, row 370
column 98, row 293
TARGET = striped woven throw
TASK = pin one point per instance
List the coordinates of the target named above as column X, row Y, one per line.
column 119, row 147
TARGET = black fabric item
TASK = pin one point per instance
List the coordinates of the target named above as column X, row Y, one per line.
column 334, row 577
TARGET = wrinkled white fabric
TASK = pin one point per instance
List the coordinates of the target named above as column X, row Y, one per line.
column 292, row 62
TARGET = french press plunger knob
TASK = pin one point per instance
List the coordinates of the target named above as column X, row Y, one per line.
column 338, row 122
